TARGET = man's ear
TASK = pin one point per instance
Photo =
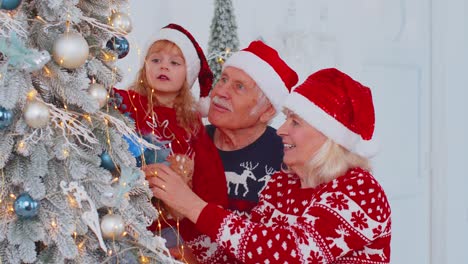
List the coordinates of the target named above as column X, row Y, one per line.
column 268, row 114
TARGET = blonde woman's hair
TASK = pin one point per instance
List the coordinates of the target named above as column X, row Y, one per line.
column 184, row 103
column 332, row 161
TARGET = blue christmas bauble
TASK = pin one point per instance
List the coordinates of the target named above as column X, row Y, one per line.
column 106, row 161
column 119, row 45
column 6, row 117
column 9, row 4
column 133, row 146
column 25, row 206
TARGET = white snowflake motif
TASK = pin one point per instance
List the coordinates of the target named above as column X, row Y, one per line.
column 259, row 250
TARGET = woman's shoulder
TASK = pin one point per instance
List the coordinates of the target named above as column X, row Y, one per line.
column 358, row 185
column 354, row 179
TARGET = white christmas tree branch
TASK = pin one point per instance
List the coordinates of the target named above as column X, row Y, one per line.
column 69, row 123
column 216, row 55
column 107, row 28
column 9, row 24
column 126, row 130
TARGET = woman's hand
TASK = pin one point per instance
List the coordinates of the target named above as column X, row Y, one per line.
column 173, row 191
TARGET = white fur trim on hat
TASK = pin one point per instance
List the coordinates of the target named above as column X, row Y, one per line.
column 329, row 126
column 192, row 61
column 263, row 74
column 204, row 106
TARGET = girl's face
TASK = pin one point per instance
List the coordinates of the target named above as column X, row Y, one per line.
column 301, row 141
column 165, row 70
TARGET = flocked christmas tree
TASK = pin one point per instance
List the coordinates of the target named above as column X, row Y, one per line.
column 69, row 188
column 223, row 36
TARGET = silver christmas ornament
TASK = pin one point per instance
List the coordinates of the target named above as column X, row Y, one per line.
column 36, row 114
column 70, row 50
column 99, row 93
column 121, row 21
column 112, row 226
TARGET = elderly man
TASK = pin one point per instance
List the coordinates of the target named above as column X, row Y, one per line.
column 249, row 93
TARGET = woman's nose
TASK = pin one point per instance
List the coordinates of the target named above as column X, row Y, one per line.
column 282, row 129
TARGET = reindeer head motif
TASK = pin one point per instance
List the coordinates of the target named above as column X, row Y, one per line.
column 268, row 173
column 248, row 169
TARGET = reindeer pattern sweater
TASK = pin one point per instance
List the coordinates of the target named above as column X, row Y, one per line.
column 247, row 172
column 249, row 169
column 344, row 221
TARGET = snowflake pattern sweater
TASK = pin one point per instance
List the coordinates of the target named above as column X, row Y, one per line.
column 345, row 221
column 208, row 179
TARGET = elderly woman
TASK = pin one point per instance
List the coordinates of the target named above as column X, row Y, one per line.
column 325, row 207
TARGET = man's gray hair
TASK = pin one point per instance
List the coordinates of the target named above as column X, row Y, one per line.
column 261, row 101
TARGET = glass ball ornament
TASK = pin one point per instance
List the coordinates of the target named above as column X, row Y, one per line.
column 119, row 45
column 121, row 21
column 36, row 114
column 112, row 226
column 6, row 117
column 106, row 161
column 25, row 206
column 9, row 4
column 70, row 50
column 99, row 93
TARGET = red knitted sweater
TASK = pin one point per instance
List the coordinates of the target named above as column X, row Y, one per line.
column 344, row 221
column 208, row 179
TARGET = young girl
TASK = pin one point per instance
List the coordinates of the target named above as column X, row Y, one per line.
column 161, row 103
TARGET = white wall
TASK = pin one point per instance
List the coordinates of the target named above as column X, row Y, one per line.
column 450, row 130
column 413, row 53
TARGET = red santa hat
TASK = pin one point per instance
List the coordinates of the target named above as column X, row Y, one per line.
column 263, row 64
column 339, row 107
column 195, row 61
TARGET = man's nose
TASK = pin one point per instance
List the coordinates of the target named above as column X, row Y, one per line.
column 221, row 89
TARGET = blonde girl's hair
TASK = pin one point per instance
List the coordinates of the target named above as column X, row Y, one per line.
column 184, row 103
